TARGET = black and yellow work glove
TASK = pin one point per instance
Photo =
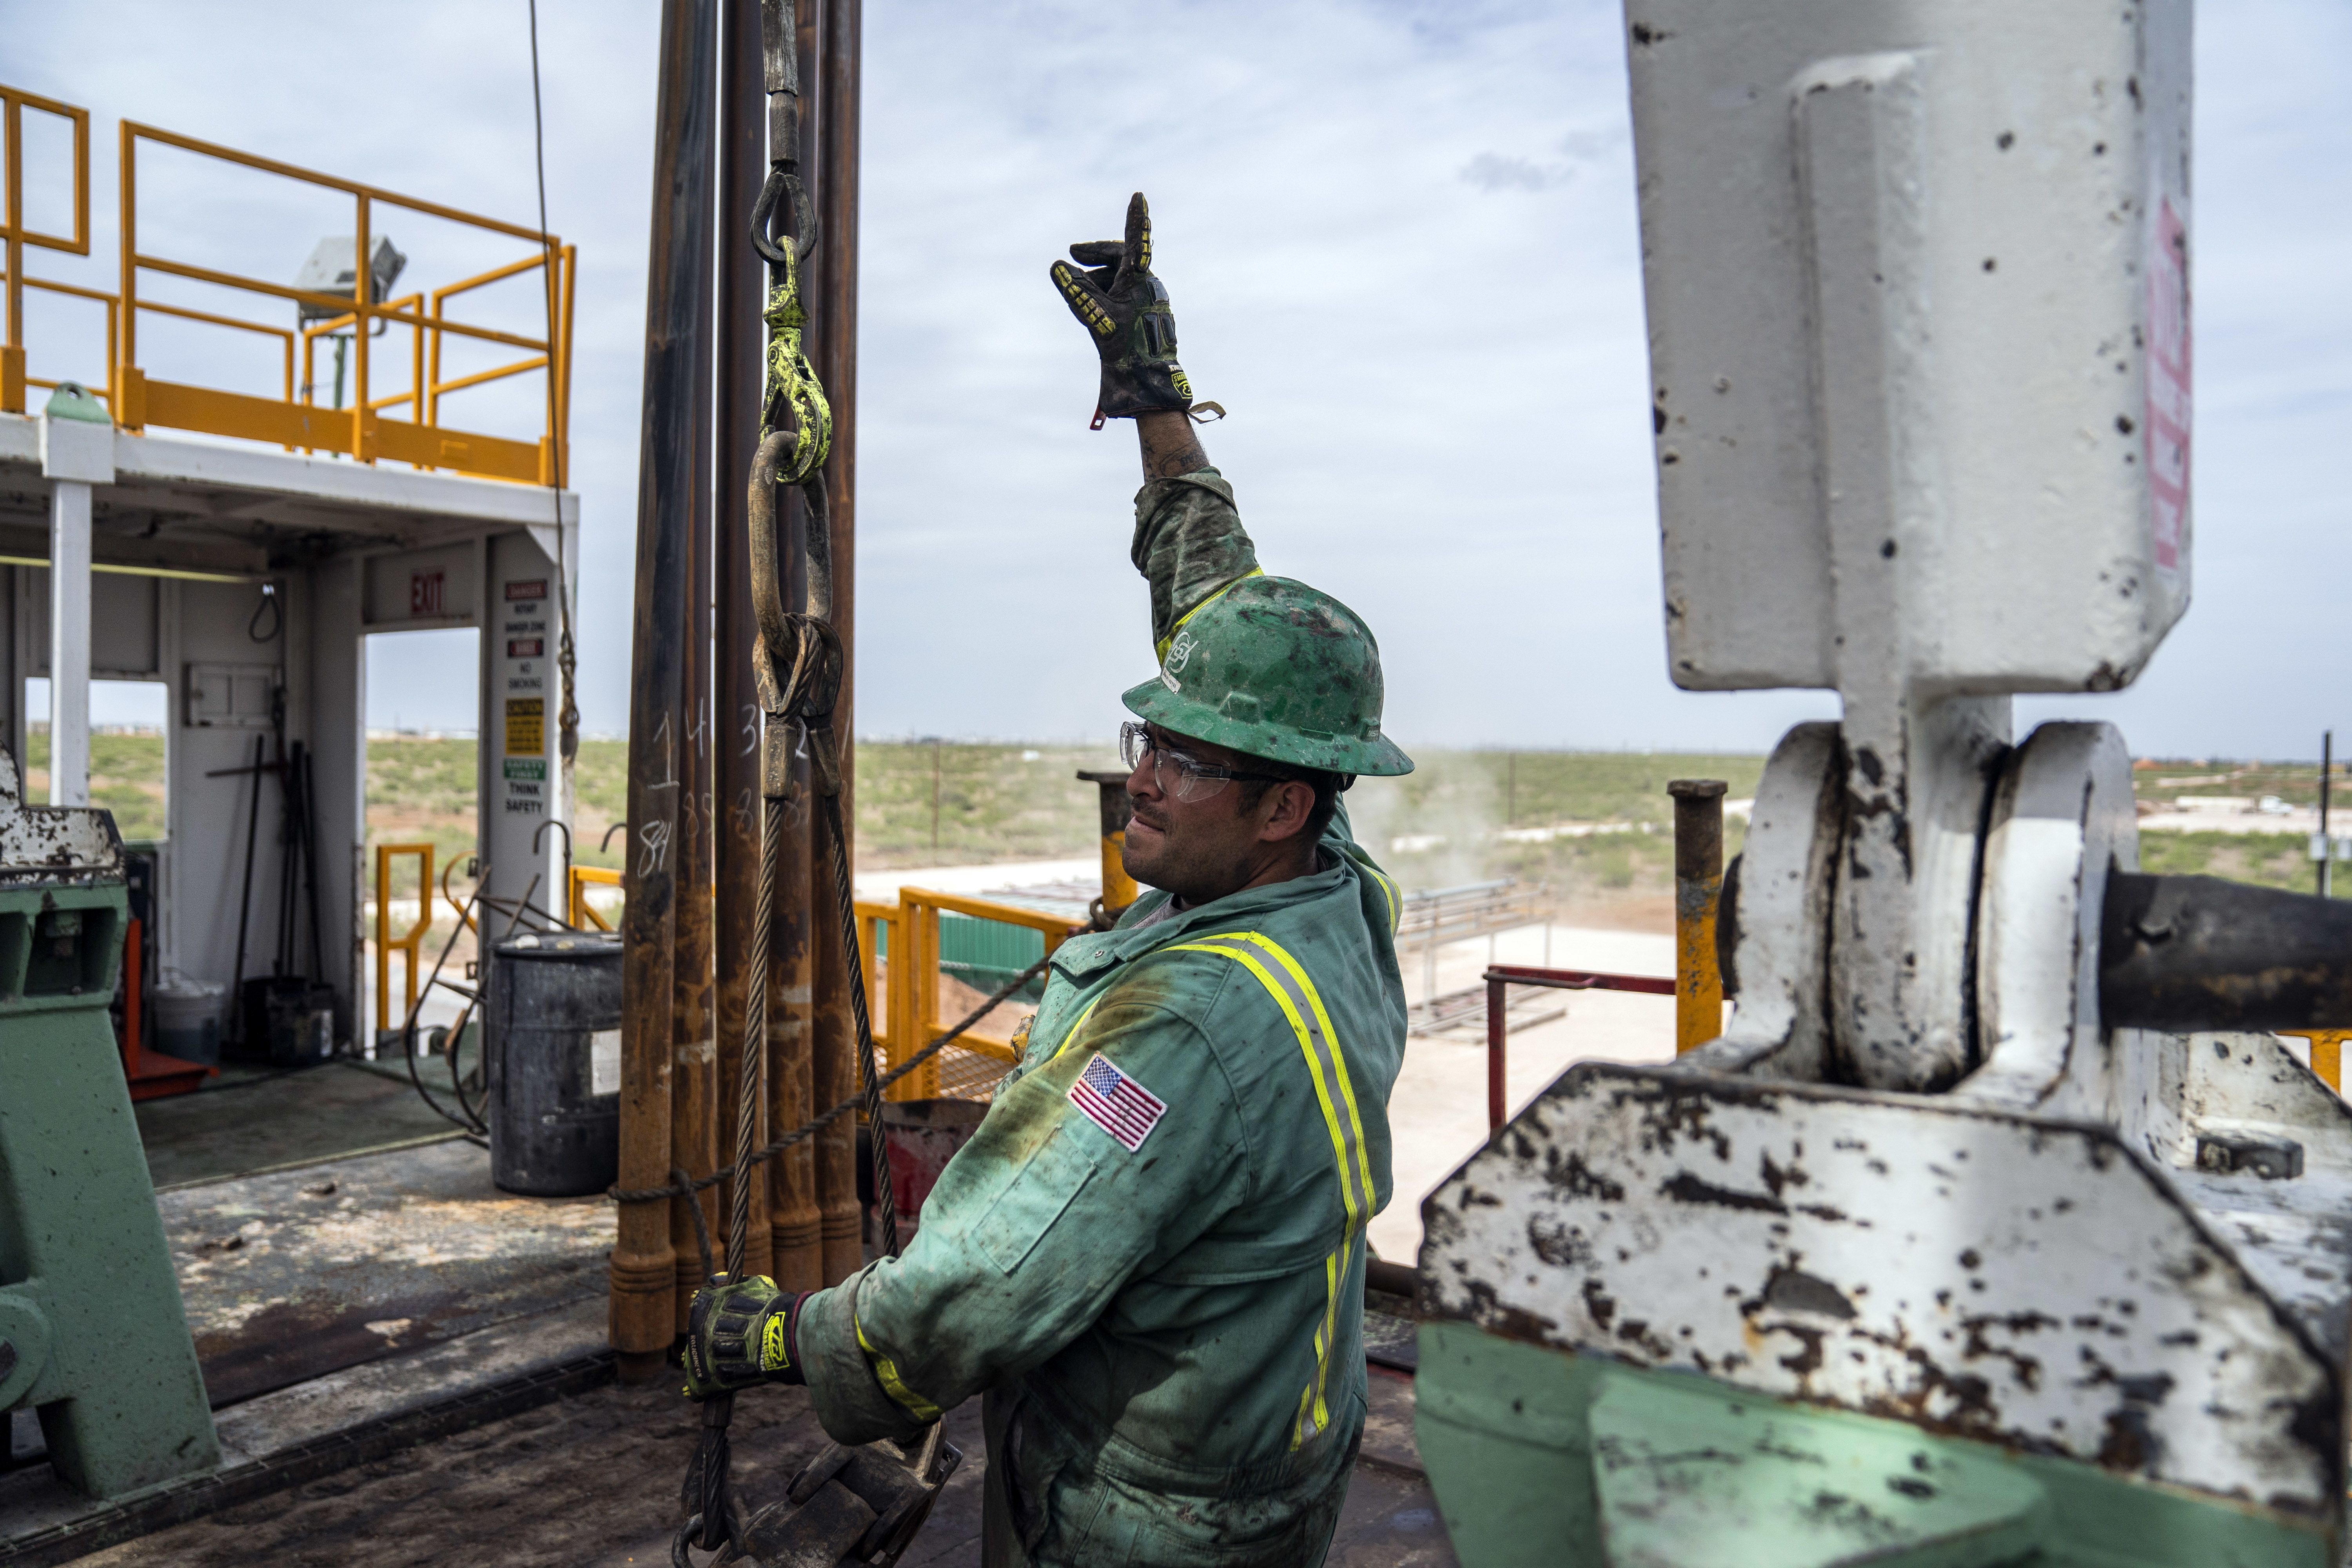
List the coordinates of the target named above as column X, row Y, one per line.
column 738, row 1333
column 1125, row 309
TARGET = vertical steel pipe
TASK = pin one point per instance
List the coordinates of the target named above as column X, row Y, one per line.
column 828, row 76
column 695, row 1119
column 796, row 1216
column 836, row 200
column 1698, row 890
column 694, row 1085
column 1498, row 1001
column 2322, row 849
column 643, row 1274
column 795, row 1223
column 1118, row 889
column 743, row 283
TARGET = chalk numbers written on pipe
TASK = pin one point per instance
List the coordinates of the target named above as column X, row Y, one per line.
column 653, row 837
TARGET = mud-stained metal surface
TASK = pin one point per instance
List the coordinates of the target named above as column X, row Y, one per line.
column 593, row 1482
column 290, row 1276
column 52, row 844
column 2024, row 1281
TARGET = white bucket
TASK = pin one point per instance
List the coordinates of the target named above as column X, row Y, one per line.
column 187, row 1018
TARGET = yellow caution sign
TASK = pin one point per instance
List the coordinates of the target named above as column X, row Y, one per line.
column 526, row 726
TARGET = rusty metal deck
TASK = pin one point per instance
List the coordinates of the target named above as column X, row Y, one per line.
column 338, row 1301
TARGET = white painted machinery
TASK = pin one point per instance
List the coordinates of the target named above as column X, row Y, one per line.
column 1971, row 1241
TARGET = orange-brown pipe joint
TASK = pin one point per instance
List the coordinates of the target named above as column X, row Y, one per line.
column 1118, row 889
column 1699, row 891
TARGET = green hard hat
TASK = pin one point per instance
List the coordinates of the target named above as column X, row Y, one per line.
column 1275, row 669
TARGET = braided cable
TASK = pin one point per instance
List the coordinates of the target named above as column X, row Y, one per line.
column 752, row 1090
column 885, row 1197
column 685, row 1188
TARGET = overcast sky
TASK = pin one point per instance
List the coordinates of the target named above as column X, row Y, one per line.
column 1400, row 239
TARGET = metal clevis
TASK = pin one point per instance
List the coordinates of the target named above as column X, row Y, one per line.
column 862, row 1504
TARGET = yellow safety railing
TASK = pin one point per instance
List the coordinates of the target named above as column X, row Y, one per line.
column 2326, row 1053
column 15, row 236
column 293, row 418
column 881, row 987
column 908, row 987
column 577, row 910
column 363, row 431
column 410, row 941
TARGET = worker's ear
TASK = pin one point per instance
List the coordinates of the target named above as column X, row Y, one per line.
column 1291, row 803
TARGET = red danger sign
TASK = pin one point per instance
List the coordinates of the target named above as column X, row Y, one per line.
column 526, row 647
column 534, row 589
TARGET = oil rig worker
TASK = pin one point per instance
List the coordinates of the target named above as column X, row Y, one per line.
column 1150, row 1258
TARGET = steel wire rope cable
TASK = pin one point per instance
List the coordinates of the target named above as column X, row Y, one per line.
column 476, row 1130
column 567, row 717
column 797, row 662
column 466, row 1115
column 685, row 1187
column 794, row 413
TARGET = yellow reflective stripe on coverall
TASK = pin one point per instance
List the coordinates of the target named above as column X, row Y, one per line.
column 1295, row 994
column 887, row 1374
column 1388, row 891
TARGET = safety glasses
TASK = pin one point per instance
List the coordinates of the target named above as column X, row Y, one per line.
column 1179, row 777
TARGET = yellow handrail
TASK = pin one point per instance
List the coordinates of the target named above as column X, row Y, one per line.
column 363, row 430
column 409, row 942
column 15, row 236
column 881, row 919
column 578, row 911
column 912, row 1004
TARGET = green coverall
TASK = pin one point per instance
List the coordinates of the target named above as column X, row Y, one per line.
column 1168, row 1335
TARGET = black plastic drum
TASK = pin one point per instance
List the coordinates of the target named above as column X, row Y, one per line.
column 554, row 1044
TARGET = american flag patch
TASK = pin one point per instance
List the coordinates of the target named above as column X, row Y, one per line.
column 1117, row 1103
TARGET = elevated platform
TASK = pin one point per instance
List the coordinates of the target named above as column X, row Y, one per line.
column 181, row 503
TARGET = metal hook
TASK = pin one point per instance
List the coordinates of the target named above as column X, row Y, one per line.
column 606, row 846
column 540, row 838
column 804, row 217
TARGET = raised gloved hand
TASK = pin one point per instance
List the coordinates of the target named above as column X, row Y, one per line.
column 741, row 1332
column 1125, row 309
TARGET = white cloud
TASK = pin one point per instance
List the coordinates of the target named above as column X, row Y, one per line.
column 1401, row 243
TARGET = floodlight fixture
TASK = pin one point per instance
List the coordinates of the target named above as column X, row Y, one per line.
column 331, row 270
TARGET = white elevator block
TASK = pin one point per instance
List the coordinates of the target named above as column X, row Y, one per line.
column 1918, row 305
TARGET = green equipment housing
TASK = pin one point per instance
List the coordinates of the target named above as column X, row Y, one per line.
column 92, row 1335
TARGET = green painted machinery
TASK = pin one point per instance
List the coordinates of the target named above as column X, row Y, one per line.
column 1544, row 1458
column 92, row 1335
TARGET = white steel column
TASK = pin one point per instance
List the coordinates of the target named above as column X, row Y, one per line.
column 69, row 644
column 77, row 452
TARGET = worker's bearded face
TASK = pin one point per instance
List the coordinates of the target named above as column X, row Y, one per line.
column 1201, row 849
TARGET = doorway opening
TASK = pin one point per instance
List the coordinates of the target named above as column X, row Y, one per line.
column 423, row 783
